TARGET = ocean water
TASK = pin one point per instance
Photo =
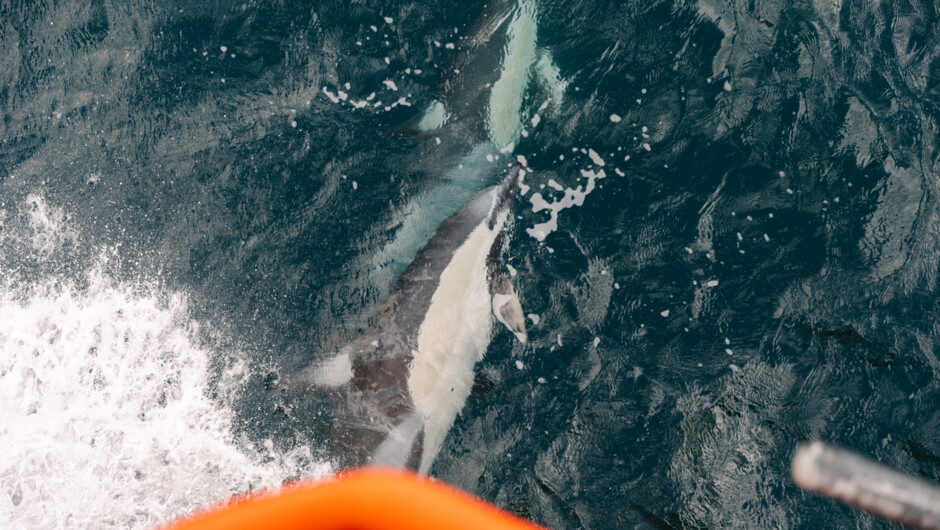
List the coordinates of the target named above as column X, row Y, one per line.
column 729, row 243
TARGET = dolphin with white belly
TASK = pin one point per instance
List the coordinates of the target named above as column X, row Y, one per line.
column 399, row 386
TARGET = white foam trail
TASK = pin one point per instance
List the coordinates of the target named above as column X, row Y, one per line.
column 106, row 418
column 47, row 224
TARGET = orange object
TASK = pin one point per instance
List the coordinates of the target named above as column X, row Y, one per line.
column 363, row 499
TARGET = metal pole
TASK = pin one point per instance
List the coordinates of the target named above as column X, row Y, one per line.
column 866, row 484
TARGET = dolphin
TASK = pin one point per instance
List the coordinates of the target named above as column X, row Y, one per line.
column 400, row 385
column 484, row 103
column 474, row 125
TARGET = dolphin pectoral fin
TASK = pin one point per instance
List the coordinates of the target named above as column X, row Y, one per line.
column 319, row 377
column 549, row 77
column 514, row 319
column 433, row 118
column 508, row 310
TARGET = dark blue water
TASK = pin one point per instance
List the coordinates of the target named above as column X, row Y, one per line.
column 764, row 271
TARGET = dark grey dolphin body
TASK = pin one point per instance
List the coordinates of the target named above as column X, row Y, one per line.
column 398, row 387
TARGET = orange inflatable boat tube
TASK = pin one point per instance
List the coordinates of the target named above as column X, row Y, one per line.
column 364, row 499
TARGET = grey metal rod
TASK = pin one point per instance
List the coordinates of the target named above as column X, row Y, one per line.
column 866, row 484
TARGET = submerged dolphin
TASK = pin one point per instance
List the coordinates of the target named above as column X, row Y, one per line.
column 399, row 387
column 474, row 125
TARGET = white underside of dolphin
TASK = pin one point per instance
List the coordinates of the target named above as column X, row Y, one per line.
column 521, row 59
column 453, row 337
